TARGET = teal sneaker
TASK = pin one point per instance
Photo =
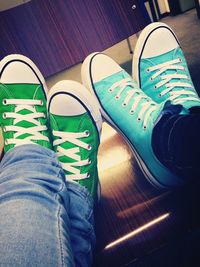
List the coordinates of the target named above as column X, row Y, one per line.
column 160, row 68
column 76, row 125
column 130, row 111
column 23, row 112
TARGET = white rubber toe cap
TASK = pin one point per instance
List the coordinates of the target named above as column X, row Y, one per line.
column 70, row 98
column 19, row 69
column 158, row 39
column 99, row 66
column 65, row 105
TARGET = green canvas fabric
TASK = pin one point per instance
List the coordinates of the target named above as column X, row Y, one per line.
column 78, row 124
column 22, row 91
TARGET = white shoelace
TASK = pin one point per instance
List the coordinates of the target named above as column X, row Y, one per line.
column 177, row 96
column 137, row 96
column 33, row 117
column 72, row 153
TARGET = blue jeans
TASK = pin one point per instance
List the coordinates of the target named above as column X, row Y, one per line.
column 44, row 220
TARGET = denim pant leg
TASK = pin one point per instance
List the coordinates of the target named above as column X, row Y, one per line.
column 82, row 224
column 35, row 228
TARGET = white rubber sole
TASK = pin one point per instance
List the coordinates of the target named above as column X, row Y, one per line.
column 16, row 57
column 86, row 80
column 140, row 45
column 84, row 96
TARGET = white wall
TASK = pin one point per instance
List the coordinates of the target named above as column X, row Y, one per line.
column 6, row 4
column 164, row 6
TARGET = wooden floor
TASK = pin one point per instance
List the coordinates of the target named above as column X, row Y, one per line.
column 134, row 219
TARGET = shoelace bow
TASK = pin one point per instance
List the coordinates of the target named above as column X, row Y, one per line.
column 24, row 104
column 177, row 96
column 72, row 153
column 136, row 95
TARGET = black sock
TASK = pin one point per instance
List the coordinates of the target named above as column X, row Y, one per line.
column 176, row 143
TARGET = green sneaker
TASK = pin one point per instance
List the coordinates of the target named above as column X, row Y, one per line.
column 124, row 105
column 76, row 125
column 23, row 110
column 160, row 68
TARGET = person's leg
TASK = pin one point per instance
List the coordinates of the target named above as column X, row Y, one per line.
column 35, row 201
column 45, row 221
column 34, row 204
column 82, row 232
column 76, row 124
column 160, row 68
column 176, row 143
column 127, row 108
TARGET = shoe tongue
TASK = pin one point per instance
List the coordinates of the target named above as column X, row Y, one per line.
column 167, row 57
column 71, row 123
column 25, row 123
column 27, row 91
column 107, row 82
column 121, row 75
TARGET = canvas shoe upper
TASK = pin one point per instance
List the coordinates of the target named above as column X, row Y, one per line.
column 160, row 68
column 23, row 113
column 130, row 111
column 76, row 124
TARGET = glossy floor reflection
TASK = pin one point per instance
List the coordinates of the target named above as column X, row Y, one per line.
column 134, row 220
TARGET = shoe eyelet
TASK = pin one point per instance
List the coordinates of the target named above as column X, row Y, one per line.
column 138, row 119
column 4, row 116
column 41, row 103
column 148, row 70
column 180, row 60
column 4, row 102
column 151, row 79
column 87, row 133
column 110, row 90
column 117, row 97
column 144, row 128
column 155, row 87
column 4, row 129
column 89, row 161
column 6, row 142
column 89, row 147
column 88, row 175
column 132, row 112
column 159, row 95
column 124, row 105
